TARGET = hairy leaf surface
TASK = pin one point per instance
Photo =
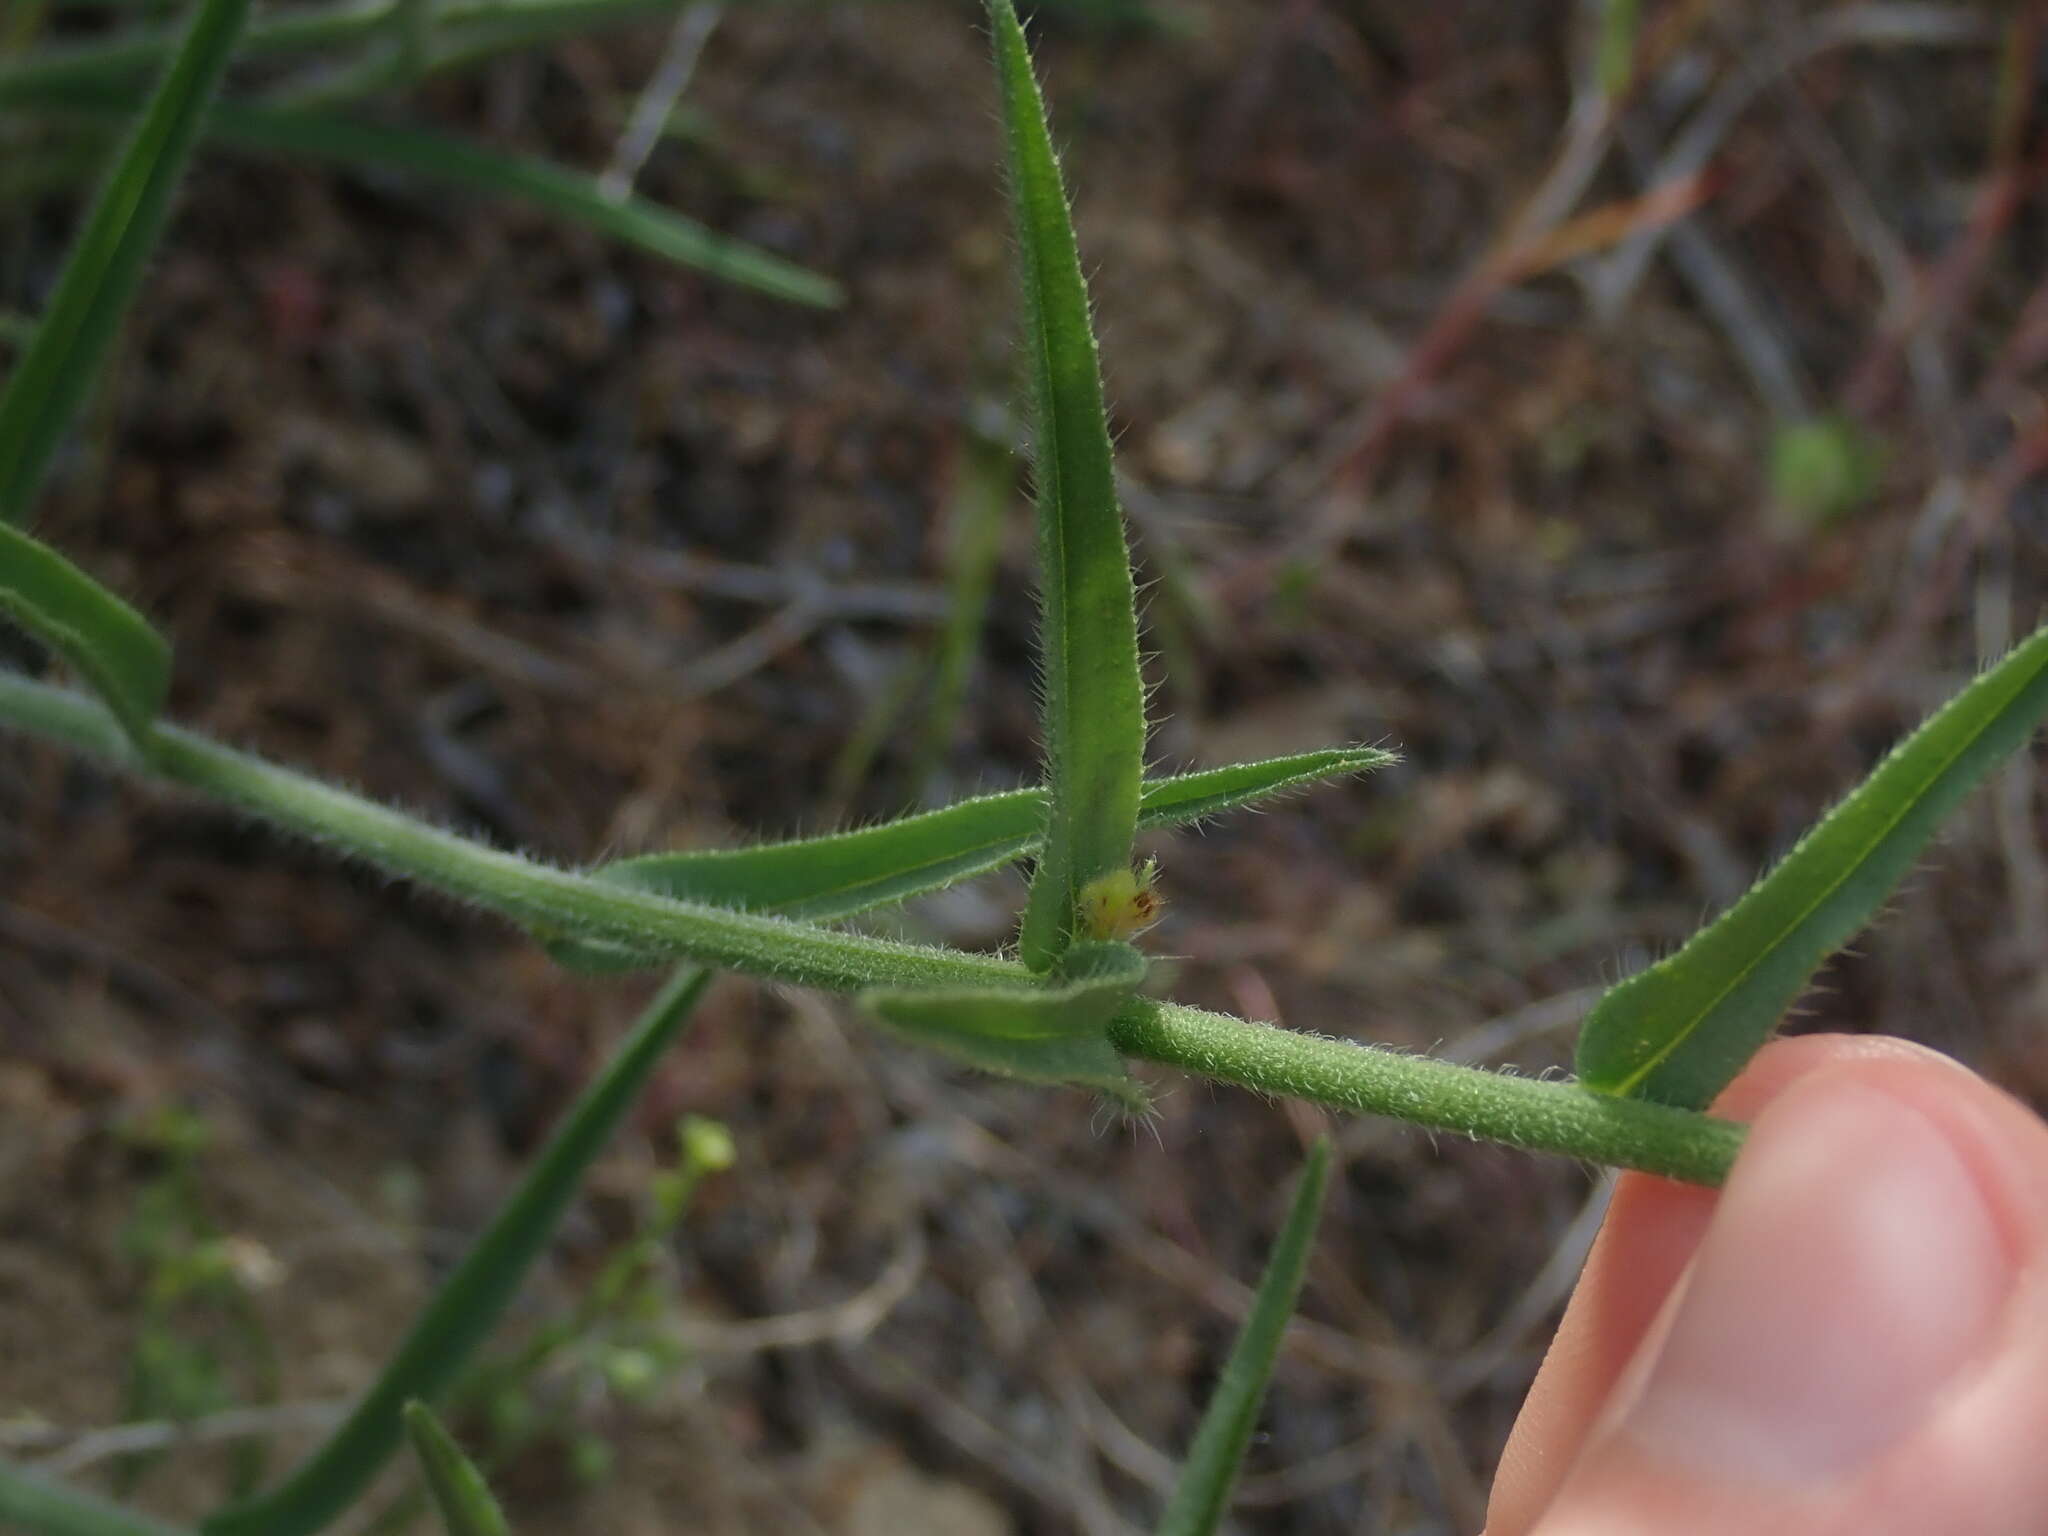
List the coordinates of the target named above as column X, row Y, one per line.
column 1094, row 704
column 843, row 873
column 1681, row 1030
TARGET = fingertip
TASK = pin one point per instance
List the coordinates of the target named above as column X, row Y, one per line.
column 1862, row 1318
column 1654, row 1227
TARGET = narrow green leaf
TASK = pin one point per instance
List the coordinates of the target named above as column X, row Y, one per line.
column 826, row 878
column 460, row 1492
column 36, row 1506
column 567, row 194
column 1681, row 1030
column 1202, row 1495
column 1056, row 1033
column 1191, row 797
column 1088, row 625
column 470, row 1301
column 74, row 333
column 112, row 646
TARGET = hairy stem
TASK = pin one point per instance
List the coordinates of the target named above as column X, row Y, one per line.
column 1517, row 1111
column 1521, row 1112
column 534, row 894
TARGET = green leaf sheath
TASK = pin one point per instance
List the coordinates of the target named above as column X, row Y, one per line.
column 458, row 1488
column 1094, row 703
column 1202, row 1495
column 34, row 1505
column 820, row 879
column 1681, row 1030
column 1049, row 1034
column 76, row 330
column 470, row 1301
column 110, row 644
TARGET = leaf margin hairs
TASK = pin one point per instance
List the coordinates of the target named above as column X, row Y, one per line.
column 1093, row 694
column 1679, row 1031
column 793, row 877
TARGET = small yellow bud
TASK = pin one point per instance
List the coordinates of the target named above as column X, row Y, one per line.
column 1120, row 904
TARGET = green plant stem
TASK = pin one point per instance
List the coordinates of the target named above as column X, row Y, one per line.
column 1517, row 1111
column 533, row 894
column 1521, row 1112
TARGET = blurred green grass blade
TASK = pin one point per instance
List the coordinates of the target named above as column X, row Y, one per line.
column 1614, row 60
column 78, row 326
column 470, row 29
column 1681, row 1030
column 1094, row 705
column 567, row 194
column 468, row 1304
column 979, row 507
column 460, row 1492
column 1202, row 1495
column 35, row 1506
column 821, row 879
column 1057, row 1033
column 112, row 646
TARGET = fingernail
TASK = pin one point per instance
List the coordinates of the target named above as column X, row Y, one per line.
column 1851, row 1270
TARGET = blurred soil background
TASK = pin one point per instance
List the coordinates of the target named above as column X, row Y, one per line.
column 1460, row 405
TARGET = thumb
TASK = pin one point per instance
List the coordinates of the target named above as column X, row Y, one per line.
column 1860, row 1342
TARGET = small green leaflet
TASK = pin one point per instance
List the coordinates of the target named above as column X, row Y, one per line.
column 459, row 1490
column 113, row 647
column 1202, row 1495
column 1054, row 1033
column 1681, row 1030
column 821, row 879
column 1094, row 697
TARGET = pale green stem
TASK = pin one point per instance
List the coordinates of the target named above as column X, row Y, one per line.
column 1522, row 1112
column 1488, row 1106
